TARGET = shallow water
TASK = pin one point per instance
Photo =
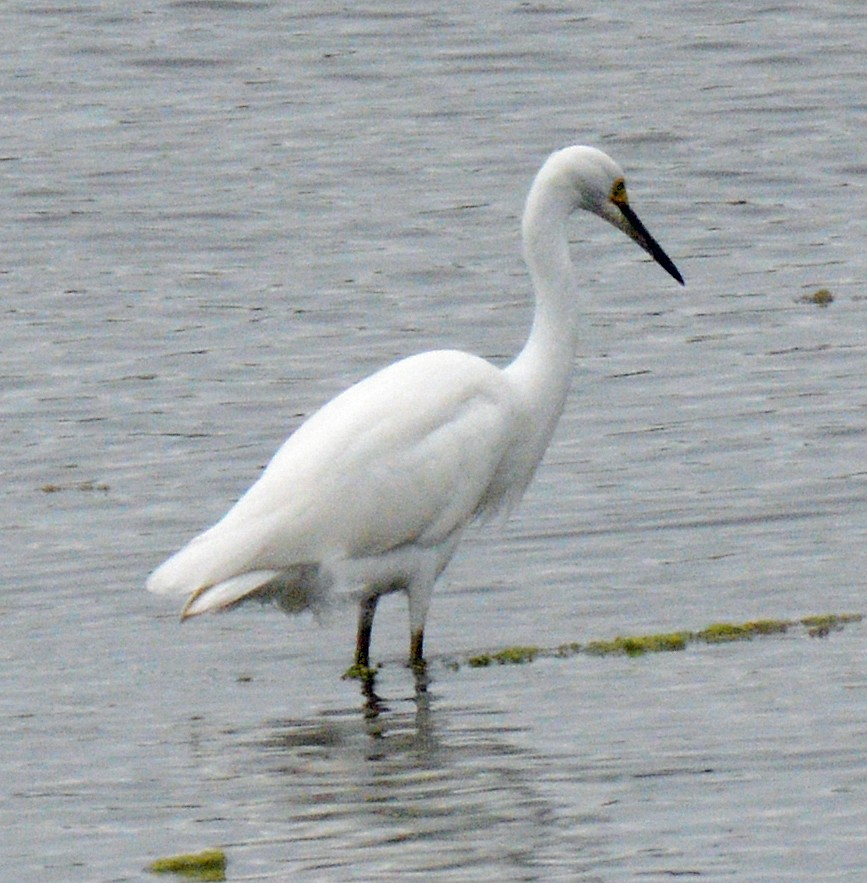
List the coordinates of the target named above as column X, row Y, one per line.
column 219, row 214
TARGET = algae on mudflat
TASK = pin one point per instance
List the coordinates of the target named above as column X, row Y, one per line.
column 209, row 865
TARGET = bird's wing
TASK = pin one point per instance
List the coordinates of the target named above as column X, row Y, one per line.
column 406, row 456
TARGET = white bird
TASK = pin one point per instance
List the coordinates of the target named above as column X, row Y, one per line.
column 372, row 493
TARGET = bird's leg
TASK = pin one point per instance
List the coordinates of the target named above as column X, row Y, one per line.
column 417, row 662
column 419, row 591
column 416, row 649
column 366, row 612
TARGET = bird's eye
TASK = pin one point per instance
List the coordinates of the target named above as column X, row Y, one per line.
column 618, row 192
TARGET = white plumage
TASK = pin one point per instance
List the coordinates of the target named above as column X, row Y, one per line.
column 371, row 494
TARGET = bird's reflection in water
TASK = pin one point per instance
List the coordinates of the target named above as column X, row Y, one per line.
column 374, row 705
column 401, row 779
column 380, row 726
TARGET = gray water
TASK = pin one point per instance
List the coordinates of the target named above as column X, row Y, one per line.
column 218, row 214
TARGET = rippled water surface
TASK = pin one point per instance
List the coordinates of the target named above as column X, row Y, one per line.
column 218, row 214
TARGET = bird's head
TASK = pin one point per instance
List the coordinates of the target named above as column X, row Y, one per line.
column 598, row 185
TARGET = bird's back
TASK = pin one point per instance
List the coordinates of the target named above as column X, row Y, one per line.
column 407, row 456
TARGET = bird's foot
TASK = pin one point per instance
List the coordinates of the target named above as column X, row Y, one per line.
column 361, row 671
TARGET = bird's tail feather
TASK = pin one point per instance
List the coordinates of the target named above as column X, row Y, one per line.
column 227, row 593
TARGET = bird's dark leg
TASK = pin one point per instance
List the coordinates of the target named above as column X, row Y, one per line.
column 416, row 661
column 416, row 650
column 366, row 612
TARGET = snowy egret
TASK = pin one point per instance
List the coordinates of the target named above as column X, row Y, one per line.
column 372, row 493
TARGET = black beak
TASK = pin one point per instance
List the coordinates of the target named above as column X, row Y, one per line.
column 639, row 233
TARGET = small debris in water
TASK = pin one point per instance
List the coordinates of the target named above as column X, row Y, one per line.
column 209, row 865
column 822, row 626
column 821, row 297
column 85, row 486
column 639, row 645
column 721, row 632
column 508, row 656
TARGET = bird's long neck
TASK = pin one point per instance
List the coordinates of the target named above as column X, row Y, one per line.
column 542, row 371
